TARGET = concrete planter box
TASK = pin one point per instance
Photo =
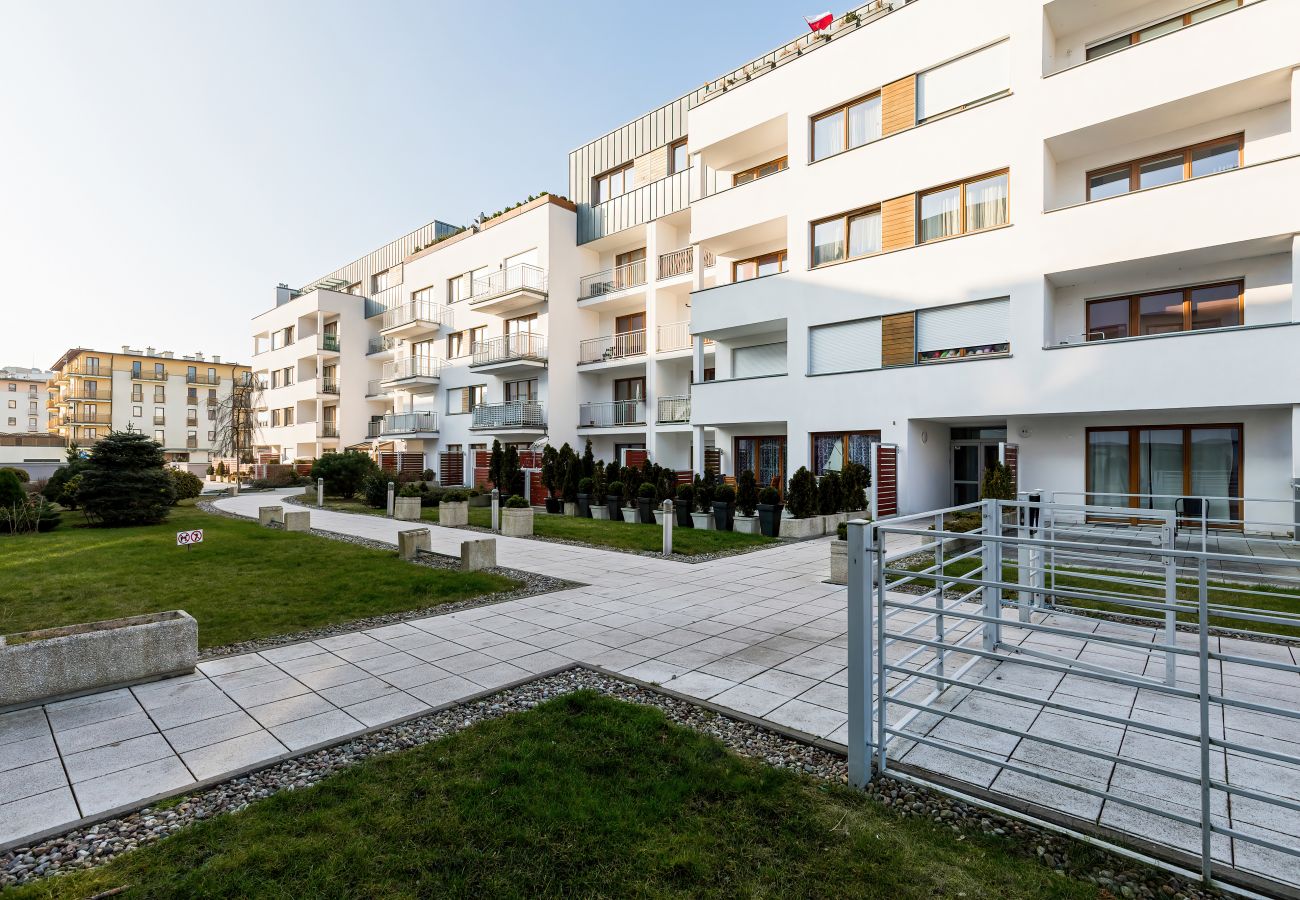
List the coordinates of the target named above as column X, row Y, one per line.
column 406, row 509
column 516, row 522
column 746, row 524
column 571, row 509
column 831, row 522
column 483, row 499
column 453, row 514
column 802, row 528
column 839, row 562
column 702, row 521
column 600, row 512
column 659, row 517
column 57, row 662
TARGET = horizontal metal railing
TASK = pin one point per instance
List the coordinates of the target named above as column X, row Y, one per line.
column 329, row 386
column 509, row 348
column 612, row 346
column 612, row 413
column 80, row 418
column 191, row 443
column 682, row 262
column 416, row 311
column 328, row 430
column 609, row 281
column 198, row 378
column 412, row 367
column 160, row 420
column 522, row 277
column 1217, row 512
column 404, row 423
column 82, row 395
column 142, row 375
column 674, row 410
column 511, row 414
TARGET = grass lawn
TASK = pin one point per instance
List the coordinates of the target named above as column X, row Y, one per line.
column 582, row 796
column 616, row 535
column 242, row 582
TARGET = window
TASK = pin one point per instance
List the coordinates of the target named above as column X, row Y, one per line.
column 159, row 371
column 966, row 207
column 31, row 423
column 614, row 183
column 191, row 374
column 521, row 390
column 1170, row 167
column 861, row 228
column 1168, row 311
column 13, row 404
column 629, row 388
column 192, row 396
column 765, row 457
column 13, row 388
column 13, row 422
column 461, row 343
column 137, row 393
column 379, row 281
column 158, row 435
column 191, row 416
column 423, row 295
column 758, row 266
column 844, row 347
column 1149, row 467
column 212, row 373
column 963, row 330
column 31, row 389
column 852, row 125
column 972, row 79
column 830, row 450
column 159, row 415
column 464, row 399
column 754, row 362
column 1201, row 14
column 137, row 411
column 678, row 159
column 136, row 367
column 212, row 436
column 760, row 171
column 288, row 415
column 354, row 288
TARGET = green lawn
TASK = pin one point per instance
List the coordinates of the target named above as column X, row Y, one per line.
column 242, row 582
column 583, row 796
column 616, row 535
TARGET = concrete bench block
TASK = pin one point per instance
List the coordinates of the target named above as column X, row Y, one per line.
column 412, row 540
column 479, row 554
column 839, row 562
column 453, row 514
column 268, row 515
column 406, row 509
column 802, row 528
column 56, row 662
column 517, row 522
column 298, row 520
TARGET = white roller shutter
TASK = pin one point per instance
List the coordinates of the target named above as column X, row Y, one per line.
column 962, row 81
column 965, row 325
column 844, row 347
column 765, row 359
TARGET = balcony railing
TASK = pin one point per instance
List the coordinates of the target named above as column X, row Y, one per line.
column 329, row 386
column 82, row 395
column 611, row 414
column 412, row 367
column 196, row 378
column 612, row 346
column 674, row 336
column 191, row 443
column 674, row 409
column 383, row 301
column 512, row 414
column 328, row 430
column 380, row 344
column 375, row 389
column 160, row 420
column 85, row 369
column 619, row 278
column 142, row 375
column 329, row 342
column 403, row 423
column 682, row 262
column 191, row 423
column 522, row 277
column 416, row 311
column 80, row 418
column 509, row 348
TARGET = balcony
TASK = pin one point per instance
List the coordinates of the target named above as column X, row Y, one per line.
column 142, row 375
column 611, row 414
column 415, row 318
column 375, row 390
column 90, row 371
column 612, row 348
column 682, row 262
column 644, row 204
column 327, row 430
column 191, row 443
column 196, row 378
column 85, row 395
column 327, row 385
column 675, row 336
column 509, row 289
column 160, row 420
column 408, row 425
column 627, row 277
column 417, row 374
column 674, row 410
column 380, row 345
column 512, row 353
column 522, row 415
column 328, row 343
column 76, row 417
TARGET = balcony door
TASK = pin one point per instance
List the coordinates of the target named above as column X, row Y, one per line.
column 629, row 334
column 765, row 457
column 629, row 269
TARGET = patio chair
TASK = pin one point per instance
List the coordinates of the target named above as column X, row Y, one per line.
column 1188, row 508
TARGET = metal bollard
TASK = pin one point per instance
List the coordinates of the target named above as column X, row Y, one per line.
column 496, row 510
column 320, row 491
column 668, row 527
column 392, row 488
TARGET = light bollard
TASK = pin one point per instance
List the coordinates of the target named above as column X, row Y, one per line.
column 392, row 489
column 320, row 491
column 496, row 510
column 668, row 527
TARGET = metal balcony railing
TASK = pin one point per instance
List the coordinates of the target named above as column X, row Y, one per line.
column 83, row 395
column 160, row 420
column 328, row 430
column 329, row 386
column 611, row 414
column 512, row 414
column 379, row 345
column 619, row 278
column 191, row 423
column 329, row 342
column 522, row 277
column 509, row 348
column 412, row 367
column 79, row 368
column 416, row 311
column 375, row 389
column 142, row 375
column 191, row 443
column 80, row 418
column 674, row 410
column 383, row 301
column 404, row 423
column 612, row 346
column 673, row 336
column 682, row 262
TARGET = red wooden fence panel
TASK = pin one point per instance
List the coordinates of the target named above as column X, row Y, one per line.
column 886, row 481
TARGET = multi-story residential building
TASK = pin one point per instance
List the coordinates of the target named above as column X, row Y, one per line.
column 23, row 392
column 173, row 399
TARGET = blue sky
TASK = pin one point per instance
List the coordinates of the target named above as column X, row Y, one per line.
column 167, row 163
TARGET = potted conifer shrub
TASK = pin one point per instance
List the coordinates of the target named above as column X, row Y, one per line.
column 769, row 512
column 585, row 487
column 683, row 505
column 801, row 518
column 702, row 517
column 645, row 503
column 551, row 478
column 516, row 517
column 830, row 501
column 724, row 507
column 614, row 501
column 746, row 522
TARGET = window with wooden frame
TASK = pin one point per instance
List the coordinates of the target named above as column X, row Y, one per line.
column 525, row 390
column 760, row 171
column 843, row 128
column 461, row 343
column 846, row 236
column 965, row 207
column 679, row 160
column 1171, row 166
column 465, row 399
column 460, row 288
column 1162, row 27
column 1195, row 308
column 614, row 183
column 759, row 266
column 423, row 295
column 629, row 388
column 832, row 449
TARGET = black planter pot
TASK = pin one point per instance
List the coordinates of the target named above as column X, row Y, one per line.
column 769, row 519
column 645, row 510
column 554, row 505
column 723, row 514
column 614, row 503
column 683, row 513
column 584, row 506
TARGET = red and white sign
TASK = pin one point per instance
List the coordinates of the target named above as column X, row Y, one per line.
column 188, row 538
column 819, row 21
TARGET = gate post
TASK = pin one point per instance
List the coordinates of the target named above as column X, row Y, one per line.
column 1167, row 532
column 862, row 578
column 992, row 559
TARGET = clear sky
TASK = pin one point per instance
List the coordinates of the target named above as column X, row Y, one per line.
column 165, row 164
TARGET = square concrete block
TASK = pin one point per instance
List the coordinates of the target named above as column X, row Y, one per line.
column 517, row 522
column 413, row 539
column 799, row 529
column 298, row 520
column 406, row 509
column 839, row 562
column 453, row 514
column 480, row 554
column 267, row 515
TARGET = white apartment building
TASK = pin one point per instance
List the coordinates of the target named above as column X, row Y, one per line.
column 22, row 399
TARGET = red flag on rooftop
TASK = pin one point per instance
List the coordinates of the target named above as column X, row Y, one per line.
column 819, row 21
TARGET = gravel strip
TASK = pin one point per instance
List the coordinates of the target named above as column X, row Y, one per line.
column 98, row 844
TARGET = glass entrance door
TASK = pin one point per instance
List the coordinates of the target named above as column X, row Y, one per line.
column 969, row 460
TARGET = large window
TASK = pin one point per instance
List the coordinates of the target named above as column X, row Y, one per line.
column 461, row 343
column 760, row 171
column 1168, row 167
column 1165, row 26
column 1151, row 466
column 765, row 457
column 963, row 330
column 965, row 207
column 520, row 390
column 831, row 450
column 464, row 399
column 1167, row 311
column 613, row 183
column 678, row 159
column 460, row 288
column 758, row 266
column 846, row 236
column 852, row 125
column 972, row 79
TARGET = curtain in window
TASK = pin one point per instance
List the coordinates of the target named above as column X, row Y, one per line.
column 828, row 135
column 828, row 241
column 864, row 122
column 987, row 203
column 940, row 214
column 1160, row 467
column 1108, row 454
column 860, row 449
column 825, row 448
column 1215, row 467
column 864, row 234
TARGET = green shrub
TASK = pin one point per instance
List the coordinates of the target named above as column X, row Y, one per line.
column 572, row 476
column 514, row 501
column 551, row 477
column 125, row 482
column 842, row 531
column 725, row 494
column 185, row 485
column 496, row 462
column 686, row 495
column 705, row 485
column 20, row 474
column 11, row 489
column 801, row 495
column 512, row 475
column 455, row 497
column 746, row 493
column 630, row 478
column 221, row 468
column 344, row 473
column 413, row 490
column 34, row 514
column 429, row 475
column 586, row 485
column 211, row 471
column 857, row 478
column 647, row 491
column 997, row 483
column 374, row 490
column 588, row 461
column 614, row 489
column 61, row 488
column 830, row 493
column 769, row 496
